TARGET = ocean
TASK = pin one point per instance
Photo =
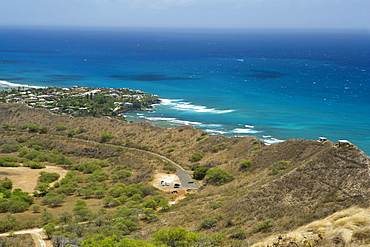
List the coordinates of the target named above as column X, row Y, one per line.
column 272, row 84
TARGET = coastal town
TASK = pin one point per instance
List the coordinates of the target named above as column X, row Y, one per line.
column 81, row 101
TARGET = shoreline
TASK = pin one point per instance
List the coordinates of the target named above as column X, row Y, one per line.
column 6, row 84
column 149, row 114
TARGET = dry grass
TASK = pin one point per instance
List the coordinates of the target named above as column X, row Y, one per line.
column 320, row 181
column 27, row 179
column 349, row 227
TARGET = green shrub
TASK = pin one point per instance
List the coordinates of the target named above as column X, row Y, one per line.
column 123, row 174
column 255, row 147
column 48, row 177
column 21, row 139
column 218, row 147
column 43, row 130
column 24, row 126
column 278, row 167
column 10, row 147
column 71, row 133
column 106, row 137
column 170, row 150
column 200, row 173
column 150, row 203
column 209, row 223
column 22, row 152
column 62, row 160
column 60, row 128
column 32, row 155
column 218, row 176
column 17, row 206
column 9, row 162
column 264, row 226
column 216, row 205
column 196, row 157
column 37, row 145
column 244, row 164
column 7, row 126
column 174, row 237
column 81, row 130
column 33, row 128
column 91, row 166
column 237, row 233
column 53, row 199
column 98, row 176
column 34, row 165
column 7, row 184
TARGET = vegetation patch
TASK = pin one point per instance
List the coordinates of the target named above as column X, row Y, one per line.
column 48, row 177
column 278, row 167
column 200, row 173
column 196, row 157
column 218, row 176
column 244, row 164
column 218, row 147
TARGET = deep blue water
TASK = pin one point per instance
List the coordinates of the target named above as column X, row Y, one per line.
column 275, row 85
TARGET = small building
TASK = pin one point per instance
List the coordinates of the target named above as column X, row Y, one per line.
column 322, row 139
column 344, row 143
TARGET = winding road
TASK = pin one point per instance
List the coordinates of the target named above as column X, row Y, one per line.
column 36, row 232
column 184, row 176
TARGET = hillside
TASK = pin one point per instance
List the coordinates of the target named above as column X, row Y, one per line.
column 282, row 186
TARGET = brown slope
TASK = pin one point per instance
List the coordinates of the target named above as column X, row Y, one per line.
column 186, row 140
column 321, row 179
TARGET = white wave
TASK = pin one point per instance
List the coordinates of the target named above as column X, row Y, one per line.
column 272, row 141
column 172, row 120
column 216, row 132
column 169, row 101
column 266, row 136
column 179, row 105
column 249, row 126
column 244, row 131
column 212, row 125
column 183, row 122
column 9, row 84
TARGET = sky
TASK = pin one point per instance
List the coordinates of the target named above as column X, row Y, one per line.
column 247, row 14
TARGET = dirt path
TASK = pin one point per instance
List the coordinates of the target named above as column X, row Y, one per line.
column 37, row 234
column 25, row 178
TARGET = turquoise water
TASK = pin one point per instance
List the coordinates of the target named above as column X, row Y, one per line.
column 274, row 85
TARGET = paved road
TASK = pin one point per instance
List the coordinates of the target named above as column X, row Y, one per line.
column 186, row 180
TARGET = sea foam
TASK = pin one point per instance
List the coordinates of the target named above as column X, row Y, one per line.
column 180, row 105
column 171, row 120
column 6, row 84
column 245, row 131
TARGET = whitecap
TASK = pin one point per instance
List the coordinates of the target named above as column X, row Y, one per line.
column 244, row 131
column 249, row 126
column 184, row 122
column 172, row 120
column 159, row 119
column 212, row 125
column 272, row 141
column 169, row 101
column 216, row 132
column 9, row 84
column 177, row 104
